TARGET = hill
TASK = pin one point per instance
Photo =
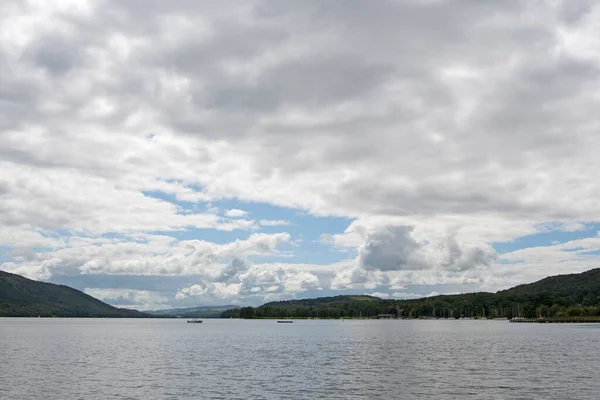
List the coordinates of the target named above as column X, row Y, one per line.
column 576, row 286
column 193, row 312
column 332, row 301
column 22, row 297
column 556, row 296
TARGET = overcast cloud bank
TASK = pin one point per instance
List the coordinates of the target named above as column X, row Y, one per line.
column 143, row 140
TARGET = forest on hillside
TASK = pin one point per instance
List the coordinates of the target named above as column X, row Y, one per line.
column 561, row 296
column 22, row 297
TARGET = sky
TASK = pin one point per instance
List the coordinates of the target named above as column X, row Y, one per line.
column 163, row 154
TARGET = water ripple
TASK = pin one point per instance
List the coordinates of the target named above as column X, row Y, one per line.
column 233, row 359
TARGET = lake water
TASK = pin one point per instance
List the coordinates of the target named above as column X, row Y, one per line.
column 309, row 359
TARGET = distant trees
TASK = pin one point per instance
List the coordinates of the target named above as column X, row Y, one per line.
column 568, row 296
column 421, row 309
column 246, row 313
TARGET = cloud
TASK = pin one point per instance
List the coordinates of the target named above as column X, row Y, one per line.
column 235, row 213
column 37, row 271
column 124, row 125
column 567, row 226
column 210, row 290
column 394, row 248
column 466, row 256
column 230, row 68
column 247, row 282
column 187, row 257
column 353, row 276
column 389, row 250
column 273, row 222
column 129, row 298
column 404, row 295
column 233, row 269
column 149, row 255
column 381, row 295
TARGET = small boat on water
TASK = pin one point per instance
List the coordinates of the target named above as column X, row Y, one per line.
column 285, row 321
column 194, row 321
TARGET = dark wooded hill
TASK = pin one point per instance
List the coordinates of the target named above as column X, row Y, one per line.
column 22, row 297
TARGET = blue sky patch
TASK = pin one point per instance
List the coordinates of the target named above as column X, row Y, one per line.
column 545, row 239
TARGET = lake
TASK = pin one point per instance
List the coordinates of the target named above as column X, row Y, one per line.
column 309, row 359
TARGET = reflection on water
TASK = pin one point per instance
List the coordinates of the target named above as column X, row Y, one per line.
column 237, row 359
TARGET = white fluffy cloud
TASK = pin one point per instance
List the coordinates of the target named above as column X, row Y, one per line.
column 235, row 213
column 149, row 255
column 273, row 222
column 130, row 298
column 439, row 127
column 245, row 282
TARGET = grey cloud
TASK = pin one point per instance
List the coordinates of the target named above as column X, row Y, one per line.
column 4, row 188
column 389, row 250
column 197, row 55
column 54, row 53
column 545, row 91
column 393, row 248
column 17, row 97
column 359, row 276
column 452, row 197
column 319, row 80
column 233, row 269
column 574, row 10
column 463, row 259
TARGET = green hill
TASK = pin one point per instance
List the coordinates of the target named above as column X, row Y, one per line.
column 22, row 297
column 573, row 286
column 332, row 301
column 193, row 312
column 556, row 296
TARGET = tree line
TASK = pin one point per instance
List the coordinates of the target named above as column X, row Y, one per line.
column 562, row 296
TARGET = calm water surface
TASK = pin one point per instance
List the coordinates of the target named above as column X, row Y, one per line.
column 242, row 359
